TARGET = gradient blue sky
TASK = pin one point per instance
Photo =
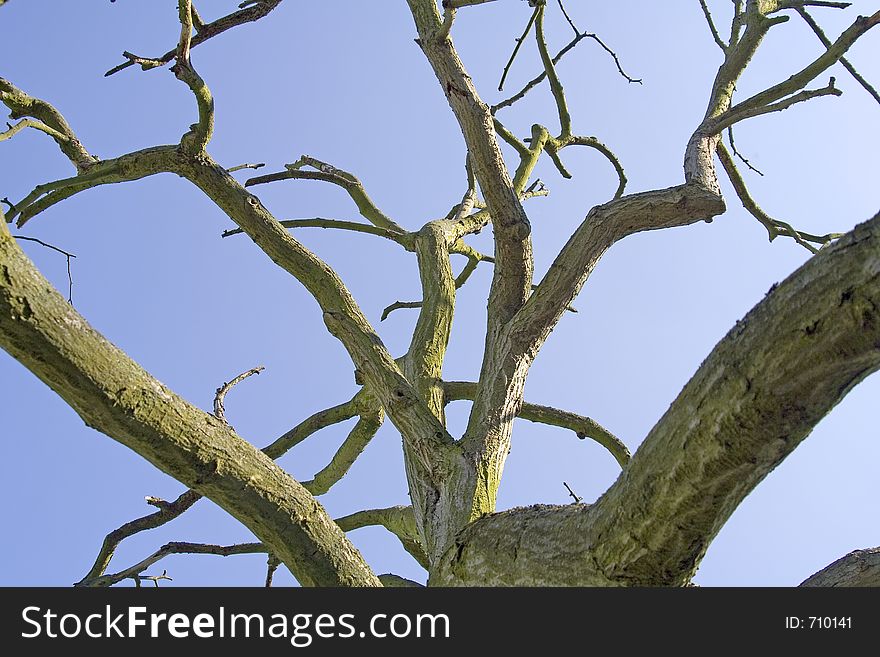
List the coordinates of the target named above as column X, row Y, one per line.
column 342, row 80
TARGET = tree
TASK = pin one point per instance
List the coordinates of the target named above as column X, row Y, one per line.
column 758, row 394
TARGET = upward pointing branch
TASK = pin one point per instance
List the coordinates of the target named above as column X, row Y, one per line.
column 22, row 105
column 200, row 133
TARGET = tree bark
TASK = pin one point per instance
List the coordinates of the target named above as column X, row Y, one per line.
column 754, row 399
column 114, row 395
column 858, row 568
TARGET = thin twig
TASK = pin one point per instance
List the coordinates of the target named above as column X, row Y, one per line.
column 539, row 78
column 774, row 227
column 168, row 511
column 220, row 395
column 63, row 252
column 31, row 123
column 616, row 59
column 328, row 173
column 134, row 572
column 740, row 155
column 568, row 18
column 206, row 31
column 518, row 45
column 843, row 60
column 577, row 498
column 397, row 305
column 404, row 239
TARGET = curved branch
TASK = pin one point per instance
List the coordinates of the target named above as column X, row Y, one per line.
column 199, row 133
column 399, row 520
column 22, row 105
column 399, row 305
column 584, row 427
column 221, row 392
column 774, row 227
column 134, row 572
column 604, row 226
column 205, row 31
column 328, row 173
column 128, row 167
column 357, row 440
column 592, row 142
column 315, row 422
column 168, row 511
column 404, row 239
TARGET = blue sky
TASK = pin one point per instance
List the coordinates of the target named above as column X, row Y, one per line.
column 342, row 80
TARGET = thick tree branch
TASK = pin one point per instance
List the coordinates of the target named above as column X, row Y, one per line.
column 343, row 318
column 439, row 506
column 513, row 271
column 168, row 511
column 604, row 225
column 132, row 166
column 114, row 395
column 753, row 400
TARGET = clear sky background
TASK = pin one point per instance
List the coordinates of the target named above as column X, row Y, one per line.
column 342, row 80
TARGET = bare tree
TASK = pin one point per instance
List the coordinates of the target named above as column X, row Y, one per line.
column 760, row 392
